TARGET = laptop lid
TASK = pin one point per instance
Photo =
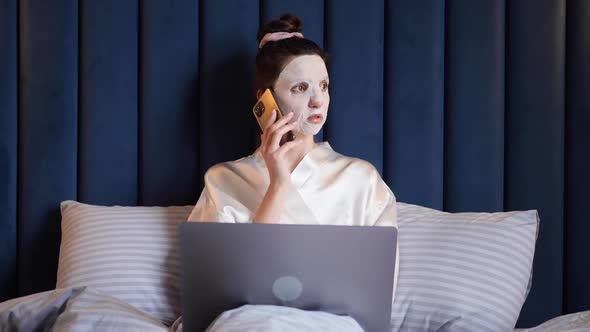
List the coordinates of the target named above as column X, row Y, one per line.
column 345, row 270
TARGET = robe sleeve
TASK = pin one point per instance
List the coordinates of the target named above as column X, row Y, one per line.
column 381, row 208
column 216, row 204
column 382, row 211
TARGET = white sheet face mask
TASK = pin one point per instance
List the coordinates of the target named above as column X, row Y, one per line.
column 302, row 88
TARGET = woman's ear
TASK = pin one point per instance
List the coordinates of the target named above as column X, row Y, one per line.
column 259, row 93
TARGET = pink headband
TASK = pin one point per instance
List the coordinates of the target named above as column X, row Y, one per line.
column 278, row 36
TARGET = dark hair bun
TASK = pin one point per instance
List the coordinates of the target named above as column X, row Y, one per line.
column 286, row 23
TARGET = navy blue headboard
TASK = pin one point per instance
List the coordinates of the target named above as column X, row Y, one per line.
column 461, row 105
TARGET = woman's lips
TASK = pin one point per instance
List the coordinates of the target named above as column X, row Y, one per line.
column 315, row 119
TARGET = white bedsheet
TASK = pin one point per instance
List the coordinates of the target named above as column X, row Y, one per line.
column 576, row 322
column 257, row 318
column 72, row 310
column 86, row 309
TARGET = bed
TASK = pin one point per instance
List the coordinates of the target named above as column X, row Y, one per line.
column 119, row 269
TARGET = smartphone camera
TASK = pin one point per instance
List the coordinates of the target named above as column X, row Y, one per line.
column 259, row 109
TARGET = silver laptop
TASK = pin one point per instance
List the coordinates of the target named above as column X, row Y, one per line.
column 345, row 270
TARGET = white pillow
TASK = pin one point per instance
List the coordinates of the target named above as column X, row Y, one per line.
column 462, row 271
column 130, row 253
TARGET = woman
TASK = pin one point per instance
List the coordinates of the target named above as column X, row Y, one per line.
column 298, row 182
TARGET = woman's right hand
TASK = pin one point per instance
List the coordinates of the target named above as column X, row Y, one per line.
column 275, row 154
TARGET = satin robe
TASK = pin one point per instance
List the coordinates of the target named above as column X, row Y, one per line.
column 327, row 189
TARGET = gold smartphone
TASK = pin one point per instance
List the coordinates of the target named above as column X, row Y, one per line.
column 263, row 111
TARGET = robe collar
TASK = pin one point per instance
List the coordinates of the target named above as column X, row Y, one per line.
column 306, row 167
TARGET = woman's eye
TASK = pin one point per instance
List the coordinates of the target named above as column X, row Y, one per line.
column 299, row 88
column 324, row 86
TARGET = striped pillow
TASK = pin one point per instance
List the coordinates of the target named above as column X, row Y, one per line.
column 462, row 271
column 128, row 252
